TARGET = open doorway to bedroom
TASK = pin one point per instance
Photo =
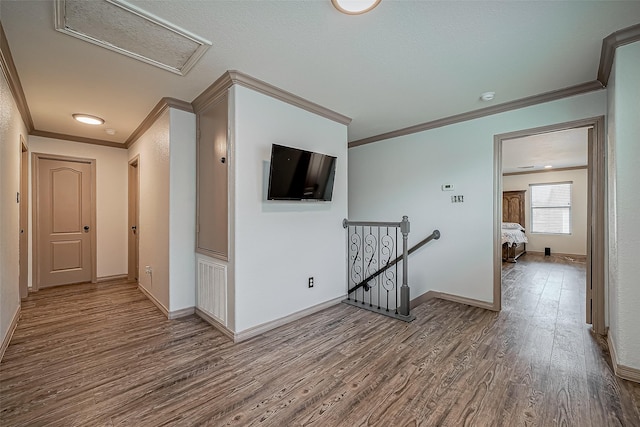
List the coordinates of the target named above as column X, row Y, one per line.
column 550, row 183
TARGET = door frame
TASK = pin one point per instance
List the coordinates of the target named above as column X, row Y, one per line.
column 133, row 209
column 35, row 166
column 23, row 276
column 596, row 183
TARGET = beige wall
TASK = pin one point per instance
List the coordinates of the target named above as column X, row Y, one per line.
column 111, row 198
column 576, row 242
column 410, row 170
column 153, row 228
column 182, row 214
column 624, row 205
column 11, row 127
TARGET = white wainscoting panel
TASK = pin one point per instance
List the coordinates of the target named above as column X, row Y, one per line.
column 211, row 296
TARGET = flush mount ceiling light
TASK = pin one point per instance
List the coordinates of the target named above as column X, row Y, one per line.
column 88, row 119
column 487, row 96
column 354, row 7
column 121, row 27
column 548, row 167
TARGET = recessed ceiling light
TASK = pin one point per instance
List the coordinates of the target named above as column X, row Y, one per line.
column 487, row 96
column 88, row 119
column 548, row 167
column 355, row 7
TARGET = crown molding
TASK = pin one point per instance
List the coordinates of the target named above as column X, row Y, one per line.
column 74, row 138
column 609, row 46
column 568, row 168
column 483, row 112
column 231, row 77
column 11, row 74
column 213, row 92
column 154, row 114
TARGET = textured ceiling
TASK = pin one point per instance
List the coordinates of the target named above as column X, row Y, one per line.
column 561, row 149
column 404, row 63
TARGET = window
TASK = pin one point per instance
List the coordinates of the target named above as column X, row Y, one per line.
column 551, row 208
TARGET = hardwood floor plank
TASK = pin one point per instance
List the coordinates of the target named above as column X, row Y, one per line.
column 103, row 355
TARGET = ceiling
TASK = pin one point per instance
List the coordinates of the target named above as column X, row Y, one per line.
column 400, row 65
column 560, row 149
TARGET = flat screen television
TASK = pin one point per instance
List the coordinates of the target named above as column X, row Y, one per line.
column 300, row 175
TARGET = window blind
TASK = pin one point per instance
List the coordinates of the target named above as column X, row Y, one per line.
column 551, row 208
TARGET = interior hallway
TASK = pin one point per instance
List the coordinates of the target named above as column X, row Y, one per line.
column 104, row 355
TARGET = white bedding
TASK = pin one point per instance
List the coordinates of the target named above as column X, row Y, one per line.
column 513, row 234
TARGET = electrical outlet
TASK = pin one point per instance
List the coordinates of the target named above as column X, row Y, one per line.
column 311, row 282
column 147, row 269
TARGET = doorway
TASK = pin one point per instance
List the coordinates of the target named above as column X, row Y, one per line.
column 64, row 212
column 595, row 214
column 23, row 277
column 133, row 215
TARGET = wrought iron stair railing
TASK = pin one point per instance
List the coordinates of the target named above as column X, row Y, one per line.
column 372, row 274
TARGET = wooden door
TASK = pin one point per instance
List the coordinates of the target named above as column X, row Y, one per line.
column 63, row 203
column 133, row 239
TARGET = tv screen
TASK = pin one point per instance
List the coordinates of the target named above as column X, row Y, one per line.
column 300, row 175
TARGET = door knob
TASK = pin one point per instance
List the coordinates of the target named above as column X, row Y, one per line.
column 86, row 228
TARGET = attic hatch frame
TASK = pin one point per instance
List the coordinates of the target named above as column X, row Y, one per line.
column 202, row 44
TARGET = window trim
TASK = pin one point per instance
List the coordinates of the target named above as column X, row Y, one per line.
column 570, row 207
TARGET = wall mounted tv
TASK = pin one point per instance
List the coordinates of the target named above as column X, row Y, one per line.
column 300, row 175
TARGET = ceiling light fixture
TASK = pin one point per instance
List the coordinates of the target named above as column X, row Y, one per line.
column 487, row 96
column 88, row 119
column 355, row 7
column 548, row 167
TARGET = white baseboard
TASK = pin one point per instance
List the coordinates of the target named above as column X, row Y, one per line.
column 111, row 278
column 449, row 297
column 216, row 324
column 184, row 312
column 260, row 329
column 622, row 371
column 10, row 331
column 560, row 254
column 153, row 299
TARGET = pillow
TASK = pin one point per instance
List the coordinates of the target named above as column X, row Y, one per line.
column 511, row 226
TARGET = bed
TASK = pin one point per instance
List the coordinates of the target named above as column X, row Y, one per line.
column 514, row 239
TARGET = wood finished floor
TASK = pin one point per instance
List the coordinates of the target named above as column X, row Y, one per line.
column 103, row 355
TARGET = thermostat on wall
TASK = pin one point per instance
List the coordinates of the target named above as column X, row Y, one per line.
column 447, row 187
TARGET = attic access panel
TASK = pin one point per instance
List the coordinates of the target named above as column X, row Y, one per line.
column 126, row 29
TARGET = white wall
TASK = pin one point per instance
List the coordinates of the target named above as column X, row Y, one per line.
column 153, row 229
column 576, row 242
column 166, row 154
column 182, row 213
column 624, row 205
column 279, row 245
column 11, row 127
column 111, row 199
column 402, row 176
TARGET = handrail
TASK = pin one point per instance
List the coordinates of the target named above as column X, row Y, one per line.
column 346, row 223
column 433, row 236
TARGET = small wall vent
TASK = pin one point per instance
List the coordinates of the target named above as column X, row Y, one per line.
column 126, row 29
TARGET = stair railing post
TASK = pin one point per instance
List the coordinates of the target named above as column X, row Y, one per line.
column 404, row 289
